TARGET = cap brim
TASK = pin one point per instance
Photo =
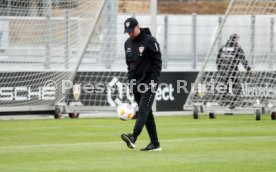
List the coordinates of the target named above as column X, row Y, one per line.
column 128, row 30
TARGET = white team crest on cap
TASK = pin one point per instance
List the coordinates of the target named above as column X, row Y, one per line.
column 141, row 49
column 127, row 24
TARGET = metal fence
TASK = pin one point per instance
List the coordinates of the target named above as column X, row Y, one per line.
column 184, row 39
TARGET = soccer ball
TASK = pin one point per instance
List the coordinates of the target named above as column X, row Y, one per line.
column 125, row 111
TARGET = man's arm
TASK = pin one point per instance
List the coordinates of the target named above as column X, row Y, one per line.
column 243, row 59
column 218, row 60
column 156, row 59
column 129, row 70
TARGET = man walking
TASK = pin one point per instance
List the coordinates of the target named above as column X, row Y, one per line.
column 143, row 58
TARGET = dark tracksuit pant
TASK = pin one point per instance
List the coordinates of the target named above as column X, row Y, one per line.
column 145, row 116
column 236, row 88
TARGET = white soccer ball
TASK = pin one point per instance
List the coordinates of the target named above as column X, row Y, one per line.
column 125, row 111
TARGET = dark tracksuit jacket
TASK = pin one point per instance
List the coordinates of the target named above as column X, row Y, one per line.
column 143, row 58
column 229, row 57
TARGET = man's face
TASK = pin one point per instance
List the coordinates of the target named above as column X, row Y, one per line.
column 238, row 39
column 134, row 33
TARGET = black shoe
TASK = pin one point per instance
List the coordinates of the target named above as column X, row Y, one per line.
column 129, row 139
column 151, row 147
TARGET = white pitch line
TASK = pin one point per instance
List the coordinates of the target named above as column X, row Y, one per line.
column 266, row 138
column 60, row 145
column 62, row 127
column 115, row 126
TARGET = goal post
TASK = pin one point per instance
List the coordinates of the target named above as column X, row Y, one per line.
column 253, row 22
column 42, row 44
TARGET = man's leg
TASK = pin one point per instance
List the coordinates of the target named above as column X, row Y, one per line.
column 129, row 138
column 224, row 96
column 145, row 105
column 151, row 128
column 238, row 89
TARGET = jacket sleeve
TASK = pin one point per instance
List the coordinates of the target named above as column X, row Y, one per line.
column 129, row 70
column 243, row 59
column 218, row 61
column 156, row 60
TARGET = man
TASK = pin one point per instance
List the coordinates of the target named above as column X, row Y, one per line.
column 143, row 58
column 229, row 57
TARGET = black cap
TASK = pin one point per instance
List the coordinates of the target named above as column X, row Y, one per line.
column 130, row 24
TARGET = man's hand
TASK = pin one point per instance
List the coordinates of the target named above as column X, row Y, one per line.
column 132, row 85
column 250, row 73
column 135, row 116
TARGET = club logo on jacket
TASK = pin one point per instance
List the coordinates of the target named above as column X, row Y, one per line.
column 141, row 49
column 128, row 50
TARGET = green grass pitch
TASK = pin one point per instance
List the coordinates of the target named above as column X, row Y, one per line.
column 228, row 143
